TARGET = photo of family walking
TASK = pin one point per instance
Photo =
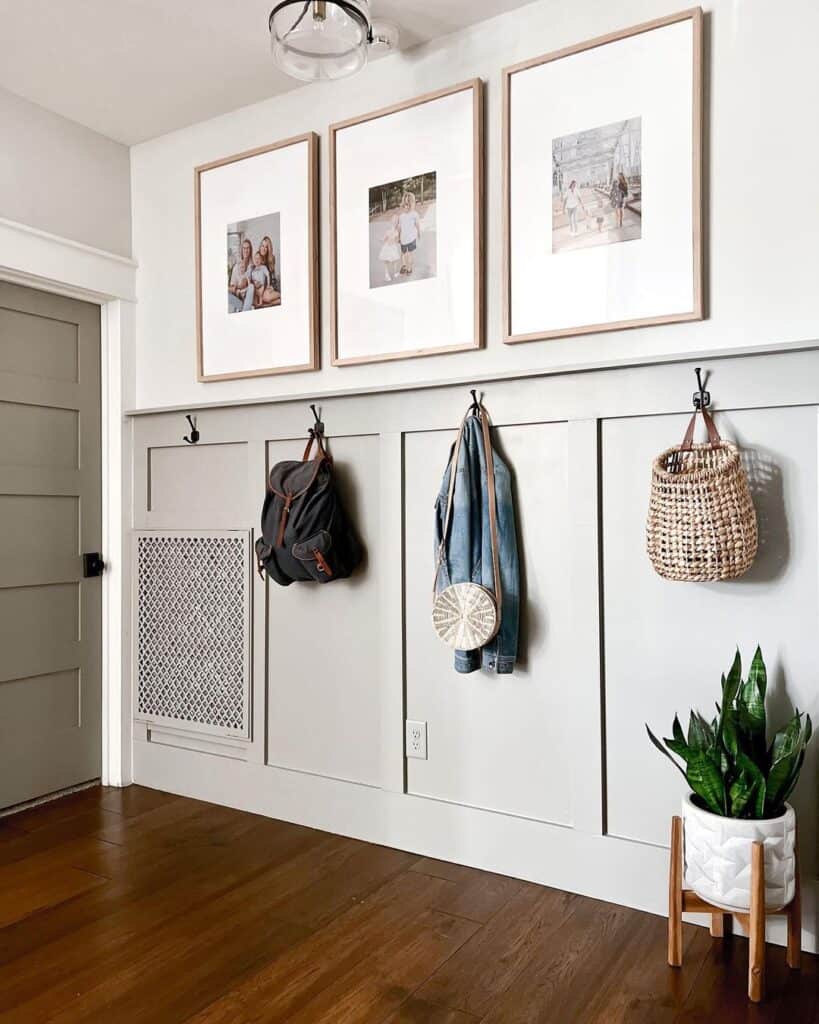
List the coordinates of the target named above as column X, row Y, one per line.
column 597, row 186
column 253, row 264
column 402, row 231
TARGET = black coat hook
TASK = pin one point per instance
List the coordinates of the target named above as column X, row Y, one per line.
column 318, row 426
column 702, row 398
column 194, row 432
column 476, row 405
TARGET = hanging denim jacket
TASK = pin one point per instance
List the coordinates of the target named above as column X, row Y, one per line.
column 468, row 552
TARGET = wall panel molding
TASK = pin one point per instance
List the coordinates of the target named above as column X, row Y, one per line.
column 579, row 801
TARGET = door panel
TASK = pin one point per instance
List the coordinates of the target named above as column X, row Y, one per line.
column 35, row 435
column 50, row 512
column 36, row 345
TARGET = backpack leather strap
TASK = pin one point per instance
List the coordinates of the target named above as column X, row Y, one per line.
column 319, row 439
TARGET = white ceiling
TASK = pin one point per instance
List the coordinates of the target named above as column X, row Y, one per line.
column 133, row 69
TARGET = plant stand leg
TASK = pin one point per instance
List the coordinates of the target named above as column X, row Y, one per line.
column 720, row 925
column 675, row 879
column 795, row 924
column 756, row 953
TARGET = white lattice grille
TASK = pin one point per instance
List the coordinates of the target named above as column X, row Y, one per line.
column 192, row 630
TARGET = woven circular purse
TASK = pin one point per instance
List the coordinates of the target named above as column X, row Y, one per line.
column 701, row 520
column 467, row 616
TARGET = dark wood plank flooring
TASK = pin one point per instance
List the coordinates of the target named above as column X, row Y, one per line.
column 123, row 906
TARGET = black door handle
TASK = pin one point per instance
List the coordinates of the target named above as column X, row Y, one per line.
column 92, row 564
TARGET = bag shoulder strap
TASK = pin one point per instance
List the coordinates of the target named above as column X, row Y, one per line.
column 493, row 507
column 321, row 452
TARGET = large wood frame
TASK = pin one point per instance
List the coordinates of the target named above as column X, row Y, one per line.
column 478, row 161
column 312, row 140
column 697, row 313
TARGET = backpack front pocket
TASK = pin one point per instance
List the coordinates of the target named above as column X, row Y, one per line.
column 316, row 556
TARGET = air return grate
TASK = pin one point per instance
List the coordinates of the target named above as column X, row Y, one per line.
column 192, row 643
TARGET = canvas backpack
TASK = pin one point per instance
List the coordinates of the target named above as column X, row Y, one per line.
column 306, row 534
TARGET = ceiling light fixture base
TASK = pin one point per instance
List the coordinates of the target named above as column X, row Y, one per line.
column 315, row 40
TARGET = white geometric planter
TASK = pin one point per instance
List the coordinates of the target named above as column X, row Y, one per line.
column 718, row 857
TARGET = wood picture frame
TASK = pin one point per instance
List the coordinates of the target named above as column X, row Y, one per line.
column 310, row 317
column 476, row 340
column 697, row 310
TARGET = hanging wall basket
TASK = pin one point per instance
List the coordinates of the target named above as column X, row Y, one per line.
column 701, row 520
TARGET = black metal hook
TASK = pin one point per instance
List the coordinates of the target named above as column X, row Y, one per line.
column 476, row 405
column 195, row 435
column 702, row 398
column 318, row 427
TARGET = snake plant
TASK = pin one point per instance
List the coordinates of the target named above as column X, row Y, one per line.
column 728, row 762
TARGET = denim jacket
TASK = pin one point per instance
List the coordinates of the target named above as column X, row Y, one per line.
column 468, row 553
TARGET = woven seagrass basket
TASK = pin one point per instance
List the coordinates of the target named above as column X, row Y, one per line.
column 701, row 520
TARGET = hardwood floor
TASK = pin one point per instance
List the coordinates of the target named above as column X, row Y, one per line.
column 120, row 906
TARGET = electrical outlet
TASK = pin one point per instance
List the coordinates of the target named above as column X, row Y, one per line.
column 416, row 739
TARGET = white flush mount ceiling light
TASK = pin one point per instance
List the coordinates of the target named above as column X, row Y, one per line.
column 326, row 39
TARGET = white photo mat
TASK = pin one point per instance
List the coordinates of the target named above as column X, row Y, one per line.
column 277, row 180
column 438, row 135
column 650, row 74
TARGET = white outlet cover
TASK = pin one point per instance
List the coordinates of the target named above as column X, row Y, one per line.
column 416, row 739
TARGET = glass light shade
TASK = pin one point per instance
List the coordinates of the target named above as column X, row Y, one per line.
column 320, row 39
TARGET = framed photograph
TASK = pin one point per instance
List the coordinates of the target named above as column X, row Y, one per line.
column 602, row 183
column 257, row 253
column 406, row 250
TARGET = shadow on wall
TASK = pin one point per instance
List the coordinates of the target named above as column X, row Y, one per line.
column 805, row 798
column 349, row 493
column 767, row 493
column 532, row 625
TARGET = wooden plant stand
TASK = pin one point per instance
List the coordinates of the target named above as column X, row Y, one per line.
column 681, row 900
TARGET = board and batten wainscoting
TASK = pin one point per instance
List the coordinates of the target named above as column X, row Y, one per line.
column 546, row 774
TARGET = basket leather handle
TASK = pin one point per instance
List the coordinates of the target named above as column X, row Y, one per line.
column 710, row 426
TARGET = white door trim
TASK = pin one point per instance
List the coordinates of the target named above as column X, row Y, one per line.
column 37, row 259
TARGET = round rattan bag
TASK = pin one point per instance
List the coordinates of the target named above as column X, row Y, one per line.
column 701, row 520
column 465, row 616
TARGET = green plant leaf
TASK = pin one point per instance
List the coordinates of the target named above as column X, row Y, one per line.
column 785, row 750
column 698, row 733
column 758, row 674
column 751, row 704
column 678, row 747
column 740, row 794
column 730, row 688
column 758, row 785
column 676, row 729
column 705, row 778
column 663, row 751
column 731, row 682
column 730, row 732
column 794, row 779
column 789, row 763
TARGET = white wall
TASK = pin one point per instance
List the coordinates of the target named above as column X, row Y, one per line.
column 763, row 219
column 59, row 177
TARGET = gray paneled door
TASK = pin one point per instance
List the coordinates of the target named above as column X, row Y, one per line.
column 50, row 513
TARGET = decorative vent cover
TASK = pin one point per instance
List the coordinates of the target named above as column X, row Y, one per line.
column 192, row 636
